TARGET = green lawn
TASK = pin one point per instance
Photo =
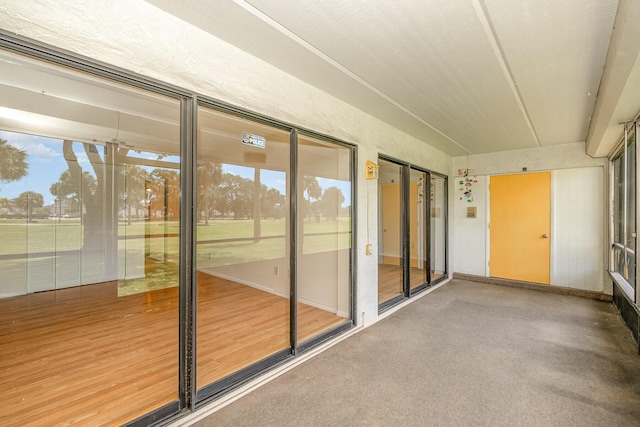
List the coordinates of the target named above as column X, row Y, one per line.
column 20, row 238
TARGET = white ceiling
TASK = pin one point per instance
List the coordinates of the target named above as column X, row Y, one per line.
column 465, row 76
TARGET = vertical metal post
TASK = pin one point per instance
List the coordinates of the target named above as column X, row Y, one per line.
column 353, row 176
column 445, row 216
column 625, row 200
column 187, row 333
column 405, row 229
column 427, row 220
column 293, row 241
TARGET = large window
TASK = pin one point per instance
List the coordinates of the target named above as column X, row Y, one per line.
column 623, row 251
column 148, row 264
column 89, row 225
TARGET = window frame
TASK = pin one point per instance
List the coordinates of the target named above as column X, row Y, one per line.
column 188, row 398
column 619, row 165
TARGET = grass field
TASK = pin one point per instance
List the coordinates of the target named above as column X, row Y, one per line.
column 222, row 242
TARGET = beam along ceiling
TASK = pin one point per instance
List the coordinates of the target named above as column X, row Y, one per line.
column 465, row 76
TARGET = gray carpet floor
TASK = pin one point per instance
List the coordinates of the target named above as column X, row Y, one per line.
column 467, row 354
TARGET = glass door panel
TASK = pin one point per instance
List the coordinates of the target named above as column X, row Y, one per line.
column 242, row 235
column 438, row 227
column 91, row 312
column 390, row 256
column 324, row 236
column 418, row 227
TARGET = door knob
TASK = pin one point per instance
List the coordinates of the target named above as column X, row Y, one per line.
column 546, row 236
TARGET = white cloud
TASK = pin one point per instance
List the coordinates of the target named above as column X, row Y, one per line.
column 82, row 157
column 35, row 146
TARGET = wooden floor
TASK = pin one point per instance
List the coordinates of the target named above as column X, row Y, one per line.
column 231, row 336
column 85, row 356
column 390, row 280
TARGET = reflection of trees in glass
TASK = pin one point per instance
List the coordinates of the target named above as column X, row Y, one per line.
column 90, row 190
column 13, row 162
column 313, row 191
column 29, row 201
column 234, row 195
column 209, row 177
column 331, row 201
column 132, row 190
column 163, row 193
column 273, row 203
column 68, row 192
column 239, row 195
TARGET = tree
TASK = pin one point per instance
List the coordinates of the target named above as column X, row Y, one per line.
column 29, row 201
column 13, row 163
column 69, row 189
column 331, row 202
column 209, row 177
column 312, row 190
column 239, row 194
column 90, row 191
column 132, row 191
column 163, row 193
column 274, row 202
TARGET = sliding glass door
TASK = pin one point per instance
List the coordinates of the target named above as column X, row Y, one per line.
column 412, row 224
column 147, row 263
column 263, row 294
column 242, row 251
column 323, row 258
column 89, row 224
column 418, row 229
column 391, row 232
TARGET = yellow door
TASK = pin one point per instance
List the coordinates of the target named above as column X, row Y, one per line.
column 520, row 227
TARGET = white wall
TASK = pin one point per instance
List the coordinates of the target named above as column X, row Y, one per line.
column 469, row 241
column 578, row 212
column 150, row 42
column 577, row 231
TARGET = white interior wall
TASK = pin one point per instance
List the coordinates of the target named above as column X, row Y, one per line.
column 153, row 43
column 578, row 228
column 579, row 209
column 470, row 237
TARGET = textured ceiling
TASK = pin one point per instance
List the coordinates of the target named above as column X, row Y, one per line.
column 465, row 76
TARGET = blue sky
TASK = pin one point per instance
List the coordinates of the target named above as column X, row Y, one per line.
column 46, row 164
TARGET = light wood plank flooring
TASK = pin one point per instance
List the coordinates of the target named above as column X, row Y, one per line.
column 88, row 357
column 390, row 280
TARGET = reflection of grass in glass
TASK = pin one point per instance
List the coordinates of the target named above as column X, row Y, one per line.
column 41, row 236
column 236, row 229
column 330, row 242
column 333, row 235
column 14, row 277
column 158, row 275
column 226, row 253
column 327, row 226
column 19, row 237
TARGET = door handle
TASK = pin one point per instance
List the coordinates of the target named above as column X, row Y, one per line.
column 545, row 236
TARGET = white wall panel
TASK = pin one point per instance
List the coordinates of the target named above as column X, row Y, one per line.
column 470, row 235
column 577, row 239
